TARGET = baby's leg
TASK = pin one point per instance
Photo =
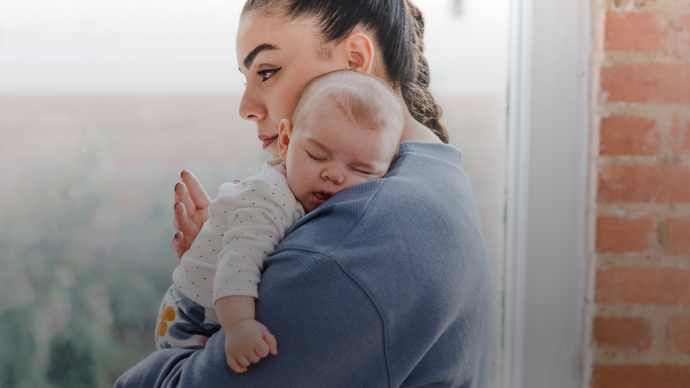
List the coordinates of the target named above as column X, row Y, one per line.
column 183, row 323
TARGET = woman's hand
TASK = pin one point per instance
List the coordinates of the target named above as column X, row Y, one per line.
column 191, row 211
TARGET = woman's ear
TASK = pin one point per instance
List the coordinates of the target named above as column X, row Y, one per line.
column 360, row 52
column 284, row 132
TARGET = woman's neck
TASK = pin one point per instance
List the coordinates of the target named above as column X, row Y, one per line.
column 416, row 131
column 413, row 129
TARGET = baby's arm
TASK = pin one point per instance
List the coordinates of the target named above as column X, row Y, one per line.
column 246, row 340
column 257, row 216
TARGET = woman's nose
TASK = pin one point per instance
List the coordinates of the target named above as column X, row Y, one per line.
column 252, row 107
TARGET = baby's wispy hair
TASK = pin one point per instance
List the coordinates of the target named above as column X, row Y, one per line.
column 363, row 98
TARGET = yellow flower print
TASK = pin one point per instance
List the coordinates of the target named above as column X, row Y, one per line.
column 166, row 314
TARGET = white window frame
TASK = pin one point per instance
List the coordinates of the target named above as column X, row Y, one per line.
column 548, row 132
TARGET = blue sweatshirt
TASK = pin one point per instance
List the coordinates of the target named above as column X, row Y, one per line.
column 385, row 285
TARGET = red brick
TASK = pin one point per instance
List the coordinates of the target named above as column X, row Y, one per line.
column 647, row 83
column 626, row 135
column 640, row 376
column 678, row 235
column 680, row 135
column 683, row 34
column 663, row 286
column 622, row 332
column 643, row 184
column 615, row 234
column 678, row 333
column 636, row 31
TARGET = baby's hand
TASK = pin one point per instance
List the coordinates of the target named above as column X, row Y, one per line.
column 248, row 342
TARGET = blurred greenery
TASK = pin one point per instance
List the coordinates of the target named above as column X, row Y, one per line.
column 82, row 278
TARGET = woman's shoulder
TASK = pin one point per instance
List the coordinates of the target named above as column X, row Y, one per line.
column 425, row 187
column 431, row 153
column 427, row 172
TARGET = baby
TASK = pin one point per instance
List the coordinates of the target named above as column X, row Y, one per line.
column 345, row 131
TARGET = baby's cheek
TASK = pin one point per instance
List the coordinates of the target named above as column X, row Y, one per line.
column 356, row 180
column 306, row 204
column 299, row 182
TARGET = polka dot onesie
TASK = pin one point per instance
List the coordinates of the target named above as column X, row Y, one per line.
column 246, row 222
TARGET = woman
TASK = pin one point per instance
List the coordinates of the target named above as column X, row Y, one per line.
column 387, row 283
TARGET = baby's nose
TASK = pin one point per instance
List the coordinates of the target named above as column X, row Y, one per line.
column 334, row 175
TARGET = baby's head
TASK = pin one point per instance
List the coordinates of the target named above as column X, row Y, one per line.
column 345, row 130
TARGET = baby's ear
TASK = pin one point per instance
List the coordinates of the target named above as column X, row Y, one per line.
column 284, row 132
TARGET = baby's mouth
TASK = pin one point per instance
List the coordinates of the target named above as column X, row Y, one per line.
column 319, row 197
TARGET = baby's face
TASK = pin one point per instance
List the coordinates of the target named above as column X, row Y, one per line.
column 327, row 153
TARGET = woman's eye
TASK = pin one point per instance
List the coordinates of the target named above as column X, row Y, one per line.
column 268, row 73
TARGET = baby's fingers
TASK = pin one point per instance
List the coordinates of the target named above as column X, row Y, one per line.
column 242, row 360
column 232, row 363
column 252, row 356
column 270, row 340
column 261, row 348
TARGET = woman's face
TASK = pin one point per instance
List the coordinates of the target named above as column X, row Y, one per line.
column 278, row 59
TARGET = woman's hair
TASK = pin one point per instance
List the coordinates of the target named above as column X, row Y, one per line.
column 398, row 28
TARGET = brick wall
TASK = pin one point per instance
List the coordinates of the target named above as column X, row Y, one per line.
column 639, row 297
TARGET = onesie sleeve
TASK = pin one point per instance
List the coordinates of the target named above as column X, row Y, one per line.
column 264, row 209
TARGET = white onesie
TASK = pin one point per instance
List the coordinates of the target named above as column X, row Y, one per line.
column 246, row 222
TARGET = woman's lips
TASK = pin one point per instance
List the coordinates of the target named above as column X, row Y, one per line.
column 267, row 140
column 317, row 198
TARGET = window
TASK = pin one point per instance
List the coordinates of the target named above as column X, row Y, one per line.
column 457, row 7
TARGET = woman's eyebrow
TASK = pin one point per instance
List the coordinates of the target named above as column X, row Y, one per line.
column 252, row 55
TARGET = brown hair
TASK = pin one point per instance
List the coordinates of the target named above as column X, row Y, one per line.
column 419, row 100
column 398, row 28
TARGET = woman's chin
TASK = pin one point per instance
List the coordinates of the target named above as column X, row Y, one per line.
column 272, row 148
